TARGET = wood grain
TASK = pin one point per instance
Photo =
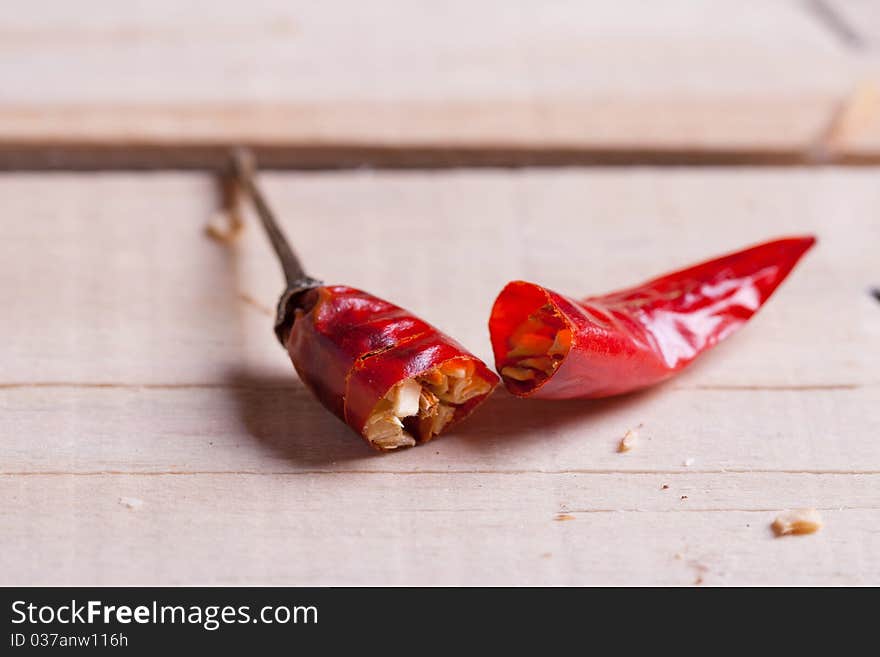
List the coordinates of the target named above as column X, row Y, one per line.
column 139, row 362
column 420, row 134
column 494, row 82
column 433, row 529
column 138, row 295
column 276, row 427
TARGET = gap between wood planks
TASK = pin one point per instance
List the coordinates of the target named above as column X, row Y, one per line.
column 352, row 156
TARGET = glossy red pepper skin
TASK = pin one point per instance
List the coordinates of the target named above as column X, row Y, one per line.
column 350, row 348
column 640, row 336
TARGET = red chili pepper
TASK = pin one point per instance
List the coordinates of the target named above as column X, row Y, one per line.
column 390, row 376
column 549, row 346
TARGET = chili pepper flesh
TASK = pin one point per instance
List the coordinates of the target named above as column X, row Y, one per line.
column 550, row 346
column 389, row 375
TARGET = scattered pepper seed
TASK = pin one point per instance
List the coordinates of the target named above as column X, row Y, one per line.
column 628, row 441
column 796, row 522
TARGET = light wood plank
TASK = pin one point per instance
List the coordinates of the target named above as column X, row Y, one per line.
column 276, row 428
column 463, row 50
column 857, row 21
column 422, row 529
column 320, row 82
column 677, row 130
column 130, row 352
column 112, row 280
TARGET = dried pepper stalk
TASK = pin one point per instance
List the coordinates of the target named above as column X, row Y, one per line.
column 550, row 346
column 390, row 376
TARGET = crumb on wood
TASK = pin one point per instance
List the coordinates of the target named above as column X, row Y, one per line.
column 227, row 223
column 224, row 228
column 797, row 522
column 562, row 517
column 701, row 570
column 678, row 556
column 131, row 502
column 664, row 487
column 688, row 462
column 546, row 555
column 684, row 497
column 628, row 441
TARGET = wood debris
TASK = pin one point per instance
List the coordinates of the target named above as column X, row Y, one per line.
column 797, row 522
column 131, row 502
column 628, row 441
column 227, row 224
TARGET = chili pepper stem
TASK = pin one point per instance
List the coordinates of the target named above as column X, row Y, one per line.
column 298, row 281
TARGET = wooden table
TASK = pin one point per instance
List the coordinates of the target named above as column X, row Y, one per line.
column 153, row 431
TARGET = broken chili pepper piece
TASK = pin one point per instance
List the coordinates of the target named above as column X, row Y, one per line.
column 550, row 346
column 390, row 376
